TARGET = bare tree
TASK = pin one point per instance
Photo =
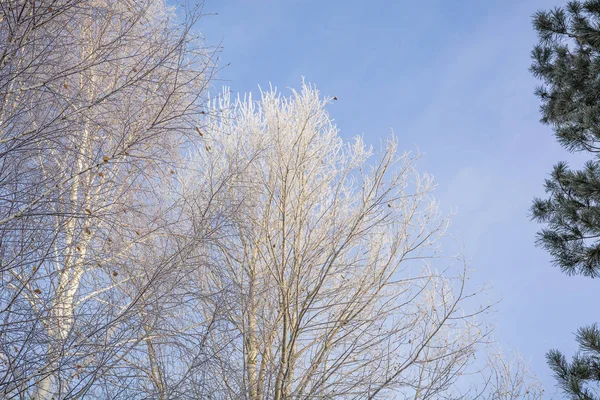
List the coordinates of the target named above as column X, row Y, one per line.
column 278, row 262
column 98, row 101
column 508, row 378
column 325, row 264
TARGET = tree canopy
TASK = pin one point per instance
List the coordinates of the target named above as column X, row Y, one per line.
column 567, row 61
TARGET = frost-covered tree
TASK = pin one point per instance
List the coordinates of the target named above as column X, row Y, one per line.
column 323, row 267
column 144, row 254
column 97, row 100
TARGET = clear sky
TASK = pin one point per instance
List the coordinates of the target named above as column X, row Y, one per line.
column 451, row 78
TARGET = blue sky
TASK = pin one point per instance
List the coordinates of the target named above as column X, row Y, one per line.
column 451, row 78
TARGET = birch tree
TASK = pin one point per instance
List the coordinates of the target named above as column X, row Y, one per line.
column 278, row 261
column 326, row 265
column 97, row 100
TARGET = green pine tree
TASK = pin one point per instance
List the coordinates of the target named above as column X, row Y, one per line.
column 567, row 61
